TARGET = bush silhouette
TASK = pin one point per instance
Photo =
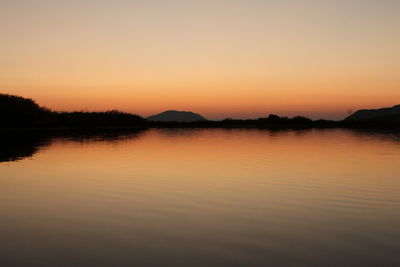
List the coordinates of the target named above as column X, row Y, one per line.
column 16, row 111
column 106, row 119
column 20, row 111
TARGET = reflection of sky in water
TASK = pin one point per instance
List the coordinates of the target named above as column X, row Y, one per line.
column 204, row 198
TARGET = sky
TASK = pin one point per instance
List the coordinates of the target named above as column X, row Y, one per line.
column 220, row 58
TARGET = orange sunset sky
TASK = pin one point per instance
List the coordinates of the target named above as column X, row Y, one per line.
column 220, row 58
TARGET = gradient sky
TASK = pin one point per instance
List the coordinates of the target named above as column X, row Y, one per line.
column 221, row 58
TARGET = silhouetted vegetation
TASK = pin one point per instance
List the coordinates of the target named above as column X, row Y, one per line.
column 19, row 112
column 111, row 118
column 16, row 111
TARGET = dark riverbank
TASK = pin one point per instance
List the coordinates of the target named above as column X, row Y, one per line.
column 19, row 113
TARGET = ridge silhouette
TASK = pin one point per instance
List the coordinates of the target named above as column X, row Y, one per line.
column 179, row 116
column 382, row 114
column 17, row 112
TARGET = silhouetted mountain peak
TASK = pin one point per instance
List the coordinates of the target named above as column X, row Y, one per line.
column 387, row 114
column 179, row 116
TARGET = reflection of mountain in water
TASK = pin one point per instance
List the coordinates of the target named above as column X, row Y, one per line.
column 389, row 135
column 17, row 145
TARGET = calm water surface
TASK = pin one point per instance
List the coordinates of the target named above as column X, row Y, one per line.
column 202, row 198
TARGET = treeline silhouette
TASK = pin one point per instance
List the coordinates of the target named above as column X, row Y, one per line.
column 16, row 111
column 20, row 112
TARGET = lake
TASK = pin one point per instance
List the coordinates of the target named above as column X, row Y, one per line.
column 205, row 197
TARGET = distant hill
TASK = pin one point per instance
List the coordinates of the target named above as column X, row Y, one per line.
column 383, row 114
column 179, row 116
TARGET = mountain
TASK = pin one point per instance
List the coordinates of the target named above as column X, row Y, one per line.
column 179, row 116
column 383, row 114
